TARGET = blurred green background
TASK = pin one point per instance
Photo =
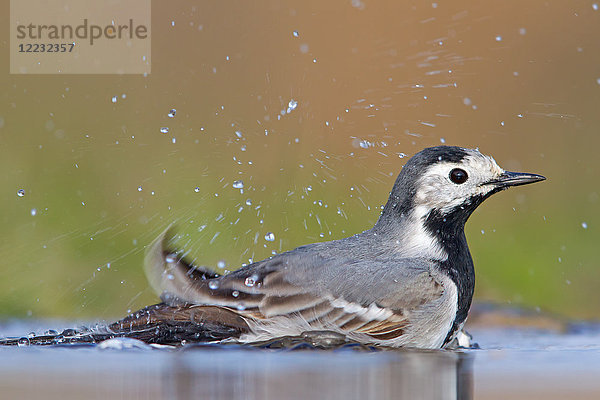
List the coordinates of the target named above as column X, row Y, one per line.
column 373, row 82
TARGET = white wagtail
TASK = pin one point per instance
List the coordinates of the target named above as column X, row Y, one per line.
column 406, row 282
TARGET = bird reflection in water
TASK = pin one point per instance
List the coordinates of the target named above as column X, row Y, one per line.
column 208, row 372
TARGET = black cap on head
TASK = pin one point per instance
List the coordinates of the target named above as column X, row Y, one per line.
column 432, row 155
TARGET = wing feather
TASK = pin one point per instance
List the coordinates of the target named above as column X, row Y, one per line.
column 282, row 305
column 317, row 312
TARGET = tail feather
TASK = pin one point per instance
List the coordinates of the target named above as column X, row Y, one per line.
column 168, row 273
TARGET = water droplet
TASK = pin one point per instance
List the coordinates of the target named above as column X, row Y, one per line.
column 171, row 258
column 21, row 192
column 250, row 281
column 170, row 277
column 164, row 129
column 172, row 113
column 221, row 264
column 241, row 307
column 498, row 38
column 33, row 212
column 235, row 293
column 114, row 99
column 248, row 202
column 238, row 184
column 23, row 342
column 584, row 225
column 309, row 188
column 238, row 134
column 295, row 33
column 292, row 105
column 196, row 189
column 139, row 188
column 270, row 236
column 442, row 140
column 595, row 7
column 213, row 285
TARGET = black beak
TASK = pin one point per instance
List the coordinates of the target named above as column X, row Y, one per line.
column 508, row 179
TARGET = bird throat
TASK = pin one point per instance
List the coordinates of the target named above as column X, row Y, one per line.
column 449, row 230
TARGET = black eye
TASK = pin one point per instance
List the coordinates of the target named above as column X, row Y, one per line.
column 458, row 176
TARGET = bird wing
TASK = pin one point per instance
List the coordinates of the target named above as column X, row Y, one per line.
column 349, row 294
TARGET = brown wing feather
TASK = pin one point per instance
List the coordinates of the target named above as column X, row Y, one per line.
column 318, row 312
column 282, row 305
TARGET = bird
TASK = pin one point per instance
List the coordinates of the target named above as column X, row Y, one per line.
column 407, row 282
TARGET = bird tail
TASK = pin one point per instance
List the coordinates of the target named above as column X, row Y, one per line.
column 169, row 274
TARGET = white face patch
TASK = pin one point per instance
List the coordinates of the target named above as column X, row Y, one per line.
column 437, row 191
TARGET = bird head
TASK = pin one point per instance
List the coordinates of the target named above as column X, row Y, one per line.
column 447, row 183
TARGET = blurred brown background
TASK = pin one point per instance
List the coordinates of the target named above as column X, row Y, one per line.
column 373, row 81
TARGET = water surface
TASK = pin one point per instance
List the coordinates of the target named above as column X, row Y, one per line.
column 514, row 363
